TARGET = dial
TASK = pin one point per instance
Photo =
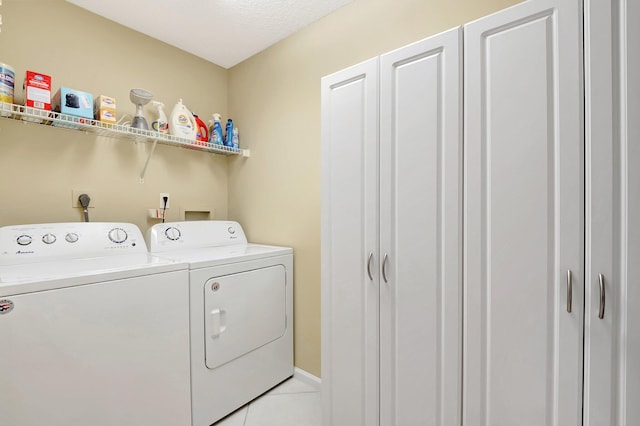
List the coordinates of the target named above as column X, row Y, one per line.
column 49, row 239
column 118, row 235
column 71, row 237
column 24, row 240
column 172, row 233
column 231, row 230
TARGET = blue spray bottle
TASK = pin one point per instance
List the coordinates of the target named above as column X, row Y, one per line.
column 215, row 136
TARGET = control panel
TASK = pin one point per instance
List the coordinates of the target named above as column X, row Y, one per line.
column 196, row 234
column 26, row 243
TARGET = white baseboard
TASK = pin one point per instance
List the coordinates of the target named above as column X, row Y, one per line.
column 307, row 378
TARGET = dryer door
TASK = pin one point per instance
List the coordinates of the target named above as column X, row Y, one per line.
column 243, row 312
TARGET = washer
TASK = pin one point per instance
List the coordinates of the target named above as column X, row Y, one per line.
column 241, row 298
column 93, row 329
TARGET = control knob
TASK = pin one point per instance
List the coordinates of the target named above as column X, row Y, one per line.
column 71, row 237
column 118, row 235
column 24, row 240
column 49, row 239
column 172, row 233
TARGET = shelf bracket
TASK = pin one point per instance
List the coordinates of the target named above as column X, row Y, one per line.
column 146, row 164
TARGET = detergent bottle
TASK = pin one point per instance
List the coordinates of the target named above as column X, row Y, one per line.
column 182, row 124
column 202, row 132
column 228, row 137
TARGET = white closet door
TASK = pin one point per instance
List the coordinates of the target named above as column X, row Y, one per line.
column 350, row 245
column 523, row 216
column 627, row 387
column 420, row 222
column 600, row 235
column 612, row 344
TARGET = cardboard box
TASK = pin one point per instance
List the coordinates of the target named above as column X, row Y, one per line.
column 37, row 90
column 74, row 103
column 104, row 109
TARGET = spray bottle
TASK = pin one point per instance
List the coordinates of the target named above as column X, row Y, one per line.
column 160, row 124
column 216, row 132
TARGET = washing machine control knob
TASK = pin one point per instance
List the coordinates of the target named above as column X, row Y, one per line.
column 118, row 235
column 49, row 239
column 172, row 233
column 24, row 240
column 71, row 237
column 231, row 230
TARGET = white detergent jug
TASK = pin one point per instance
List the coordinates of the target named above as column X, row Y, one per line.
column 181, row 123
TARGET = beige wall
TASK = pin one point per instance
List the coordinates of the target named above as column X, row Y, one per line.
column 275, row 99
column 40, row 166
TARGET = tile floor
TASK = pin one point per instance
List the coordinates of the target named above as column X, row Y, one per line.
column 292, row 403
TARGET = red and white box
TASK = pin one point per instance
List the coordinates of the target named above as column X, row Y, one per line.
column 37, row 90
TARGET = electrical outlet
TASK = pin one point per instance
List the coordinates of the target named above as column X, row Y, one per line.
column 162, row 195
column 75, row 194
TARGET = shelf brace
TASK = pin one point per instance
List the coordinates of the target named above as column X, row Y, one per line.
column 146, row 164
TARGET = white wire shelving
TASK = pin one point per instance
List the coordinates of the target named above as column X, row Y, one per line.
column 28, row 114
column 118, row 131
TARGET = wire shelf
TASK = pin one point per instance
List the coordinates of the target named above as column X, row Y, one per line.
column 34, row 115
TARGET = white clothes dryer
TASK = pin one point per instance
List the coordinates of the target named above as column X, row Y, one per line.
column 93, row 329
column 241, row 298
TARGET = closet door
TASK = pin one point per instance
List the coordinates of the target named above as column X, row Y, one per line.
column 627, row 362
column 612, row 93
column 524, row 217
column 420, row 222
column 600, row 279
column 350, row 245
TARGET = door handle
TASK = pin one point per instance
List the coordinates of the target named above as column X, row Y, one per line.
column 384, row 267
column 215, row 323
column 369, row 266
column 602, row 296
column 569, row 290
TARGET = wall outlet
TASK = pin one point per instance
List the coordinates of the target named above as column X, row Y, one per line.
column 162, row 195
column 75, row 194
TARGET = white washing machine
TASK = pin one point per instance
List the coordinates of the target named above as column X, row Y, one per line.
column 241, row 312
column 93, row 329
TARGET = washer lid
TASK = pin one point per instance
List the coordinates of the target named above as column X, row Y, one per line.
column 29, row 277
column 207, row 257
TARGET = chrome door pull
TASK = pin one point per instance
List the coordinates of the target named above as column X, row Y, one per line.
column 369, row 266
column 384, row 267
column 569, row 290
column 602, row 296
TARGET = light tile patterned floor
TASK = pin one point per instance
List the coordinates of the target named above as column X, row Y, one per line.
column 292, row 403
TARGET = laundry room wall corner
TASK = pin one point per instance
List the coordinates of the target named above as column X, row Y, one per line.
column 275, row 194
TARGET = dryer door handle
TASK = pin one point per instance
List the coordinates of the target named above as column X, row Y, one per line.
column 217, row 320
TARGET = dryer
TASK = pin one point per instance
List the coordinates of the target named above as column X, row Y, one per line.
column 93, row 329
column 241, row 301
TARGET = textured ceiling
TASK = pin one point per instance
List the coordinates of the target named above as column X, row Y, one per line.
column 224, row 32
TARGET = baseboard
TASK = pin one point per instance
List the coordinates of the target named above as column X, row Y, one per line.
column 307, row 378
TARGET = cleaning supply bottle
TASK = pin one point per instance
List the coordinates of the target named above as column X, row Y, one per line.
column 216, row 132
column 182, row 124
column 228, row 137
column 202, row 132
column 160, row 123
column 236, row 139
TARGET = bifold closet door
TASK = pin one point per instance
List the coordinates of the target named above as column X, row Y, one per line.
column 524, row 208
column 420, row 223
column 350, row 245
